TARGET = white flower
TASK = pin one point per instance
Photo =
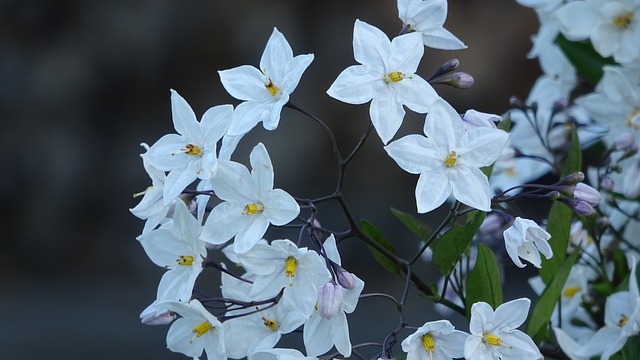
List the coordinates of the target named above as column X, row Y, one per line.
column 494, row 335
column 328, row 325
column 267, row 89
column 283, row 265
column 612, row 26
column 250, row 203
column 386, row 77
column 151, row 315
column 435, row 340
column 427, row 18
column 525, row 239
column 191, row 153
column 195, row 331
column 176, row 247
column 449, row 159
column 152, row 207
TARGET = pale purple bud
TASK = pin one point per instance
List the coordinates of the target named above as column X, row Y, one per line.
column 571, row 179
column 607, row 183
column 329, row 299
column 151, row 316
column 345, row 279
column 586, row 193
column 624, row 141
column 583, row 208
column 458, row 80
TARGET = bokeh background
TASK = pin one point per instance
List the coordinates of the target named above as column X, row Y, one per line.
column 83, row 83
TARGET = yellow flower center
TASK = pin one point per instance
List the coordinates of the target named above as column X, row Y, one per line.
column 428, row 343
column 494, row 340
column 395, row 76
column 251, row 209
column 271, row 324
column 200, row 330
column 185, row 260
column 290, row 268
column 623, row 321
column 623, row 21
column 633, row 119
column 571, row 291
column 451, row 159
column 190, row 149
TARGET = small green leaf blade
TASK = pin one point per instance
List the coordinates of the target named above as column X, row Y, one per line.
column 417, row 227
column 550, row 296
column 453, row 243
column 379, row 238
column 484, row 282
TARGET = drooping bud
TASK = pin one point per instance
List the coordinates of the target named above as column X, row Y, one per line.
column 445, row 68
column 458, row 80
column 580, row 207
column 571, row 179
column 586, row 193
column 329, row 299
column 345, row 278
column 492, row 224
column 151, row 316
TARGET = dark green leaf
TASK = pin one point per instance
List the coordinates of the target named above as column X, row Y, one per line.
column 377, row 236
column 550, row 297
column 453, row 243
column 484, row 282
column 631, row 349
column 420, row 229
column 560, row 216
column 584, row 57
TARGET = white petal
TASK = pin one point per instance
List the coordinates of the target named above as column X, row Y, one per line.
column 276, row 55
column 355, row 85
column 184, row 119
column 223, row 223
column 415, row 154
column 293, row 72
column 370, row 46
column 441, row 38
column 249, row 235
column 416, row 94
column 386, row 114
column 432, row 190
column 280, row 207
column 577, row 19
column 261, row 169
column 444, row 126
column 406, row 53
column 471, row 187
column 245, row 83
column 216, row 121
column 511, row 315
column 247, row 116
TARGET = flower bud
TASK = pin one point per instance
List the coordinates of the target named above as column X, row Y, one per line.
column 345, row 279
column 459, row 80
column 445, row 68
column 586, row 193
column 572, row 179
column 151, row 316
column 329, row 299
column 583, row 208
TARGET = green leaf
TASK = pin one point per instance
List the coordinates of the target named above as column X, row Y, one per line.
column 631, row 349
column 453, row 243
column 420, row 229
column 560, row 216
column 377, row 236
column 584, row 57
column 550, row 296
column 484, row 282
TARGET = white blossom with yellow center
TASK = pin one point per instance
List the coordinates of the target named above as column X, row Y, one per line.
column 435, row 340
column 449, row 159
column 250, row 203
column 495, row 334
column 266, row 90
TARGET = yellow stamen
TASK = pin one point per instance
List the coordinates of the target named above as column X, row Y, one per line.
column 494, row 340
column 271, row 324
column 511, row 172
column 271, row 87
column 451, row 159
column 190, row 149
column 428, row 343
column 623, row 21
column 630, row 120
column 290, row 268
column 185, row 260
column 395, row 77
column 200, row 330
column 623, row 321
column 571, row 291
column 251, row 209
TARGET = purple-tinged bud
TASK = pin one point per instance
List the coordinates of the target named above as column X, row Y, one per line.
column 607, row 183
column 151, row 316
column 571, row 179
column 345, row 278
column 459, row 80
column 445, row 68
column 624, row 141
column 329, row 299
column 583, row 208
column 586, row 193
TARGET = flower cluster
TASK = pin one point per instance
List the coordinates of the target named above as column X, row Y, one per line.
column 484, row 167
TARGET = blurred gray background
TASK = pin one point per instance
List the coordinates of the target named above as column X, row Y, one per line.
column 82, row 83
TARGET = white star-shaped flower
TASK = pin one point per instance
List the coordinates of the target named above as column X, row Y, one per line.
column 267, row 89
column 427, row 18
column 386, row 77
column 435, row 340
column 449, row 159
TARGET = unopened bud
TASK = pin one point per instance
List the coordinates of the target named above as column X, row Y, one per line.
column 580, row 207
column 571, row 179
column 459, row 80
column 586, row 193
column 329, row 299
column 445, row 68
column 553, row 195
column 345, row 279
column 151, row 316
